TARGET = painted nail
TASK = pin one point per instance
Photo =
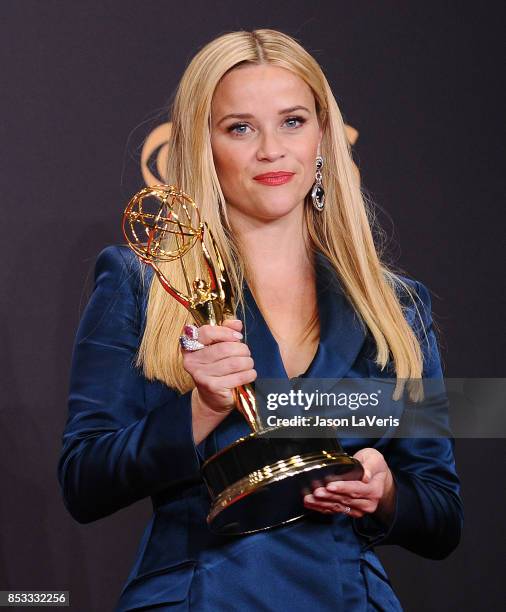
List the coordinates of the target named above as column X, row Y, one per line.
column 191, row 331
column 320, row 493
column 237, row 335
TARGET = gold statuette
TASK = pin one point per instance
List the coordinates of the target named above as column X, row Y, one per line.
column 161, row 224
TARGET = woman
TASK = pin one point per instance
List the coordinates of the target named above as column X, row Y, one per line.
column 252, row 122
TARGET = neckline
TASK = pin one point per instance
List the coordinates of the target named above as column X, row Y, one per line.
column 321, row 287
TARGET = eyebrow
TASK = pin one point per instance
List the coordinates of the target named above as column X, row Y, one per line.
column 249, row 116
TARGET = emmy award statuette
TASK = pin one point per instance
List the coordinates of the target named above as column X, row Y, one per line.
column 257, row 482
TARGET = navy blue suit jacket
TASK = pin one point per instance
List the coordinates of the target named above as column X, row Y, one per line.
column 127, row 438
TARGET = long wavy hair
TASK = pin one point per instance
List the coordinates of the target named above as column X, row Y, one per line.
column 342, row 232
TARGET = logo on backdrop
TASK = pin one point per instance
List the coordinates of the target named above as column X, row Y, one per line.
column 155, row 152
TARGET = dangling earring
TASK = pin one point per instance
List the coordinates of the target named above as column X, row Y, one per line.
column 318, row 194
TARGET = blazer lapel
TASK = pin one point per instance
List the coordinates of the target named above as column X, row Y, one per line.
column 268, row 364
column 341, row 332
column 262, row 344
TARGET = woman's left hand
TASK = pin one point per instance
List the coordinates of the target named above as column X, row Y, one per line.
column 375, row 493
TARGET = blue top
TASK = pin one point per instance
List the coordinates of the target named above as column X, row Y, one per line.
column 127, row 438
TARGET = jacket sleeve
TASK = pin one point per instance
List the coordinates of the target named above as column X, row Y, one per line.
column 428, row 515
column 115, row 451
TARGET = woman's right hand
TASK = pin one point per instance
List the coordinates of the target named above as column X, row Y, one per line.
column 223, row 364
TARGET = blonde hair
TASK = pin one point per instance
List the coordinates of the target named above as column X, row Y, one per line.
column 342, row 232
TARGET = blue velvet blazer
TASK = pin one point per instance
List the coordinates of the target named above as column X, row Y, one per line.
column 127, row 438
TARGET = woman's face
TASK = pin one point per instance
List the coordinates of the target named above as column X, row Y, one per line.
column 263, row 121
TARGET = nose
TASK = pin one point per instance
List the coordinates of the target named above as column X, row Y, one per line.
column 269, row 147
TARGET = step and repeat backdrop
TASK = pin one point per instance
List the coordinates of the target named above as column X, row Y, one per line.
column 84, row 124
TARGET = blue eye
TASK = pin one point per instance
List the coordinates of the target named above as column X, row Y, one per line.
column 234, row 127
column 301, row 120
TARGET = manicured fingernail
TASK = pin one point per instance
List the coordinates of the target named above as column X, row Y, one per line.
column 190, row 331
column 237, row 335
column 320, row 493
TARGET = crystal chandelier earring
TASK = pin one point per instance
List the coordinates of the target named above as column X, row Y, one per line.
column 318, row 194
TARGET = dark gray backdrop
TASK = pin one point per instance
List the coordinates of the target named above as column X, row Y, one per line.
column 82, row 85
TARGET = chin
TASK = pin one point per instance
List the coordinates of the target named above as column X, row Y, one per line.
column 269, row 209
column 276, row 209
column 275, row 212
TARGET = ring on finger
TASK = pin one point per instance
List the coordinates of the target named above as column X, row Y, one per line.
column 189, row 344
column 340, row 507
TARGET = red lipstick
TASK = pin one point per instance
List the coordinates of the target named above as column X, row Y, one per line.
column 274, row 178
